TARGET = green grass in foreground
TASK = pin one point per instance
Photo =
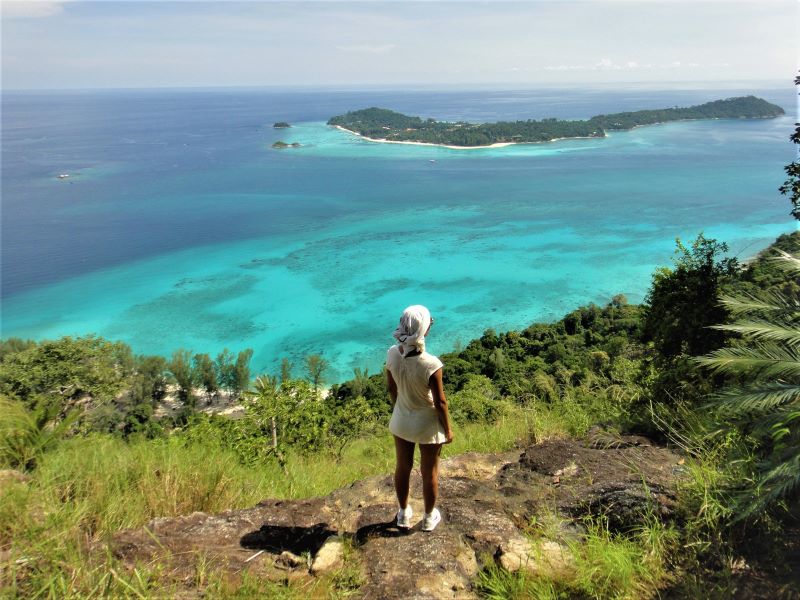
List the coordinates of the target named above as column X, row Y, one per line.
column 94, row 486
column 91, row 487
column 599, row 565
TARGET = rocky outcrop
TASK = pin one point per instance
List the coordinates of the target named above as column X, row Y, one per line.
column 621, row 481
column 487, row 503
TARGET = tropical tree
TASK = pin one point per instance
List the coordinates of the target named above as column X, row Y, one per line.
column 316, row 366
column 264, row 402
column 306, row 418
column 791, row 187
column 225, row 368
column 180, row 367
column 64, row 371
column 206, row 374
column 766, row 401
column 348, row 422
column 233, row 372
column 360, row 381
column 241, row 371
column 150, row 378
column 682, row 301
column 679, row 308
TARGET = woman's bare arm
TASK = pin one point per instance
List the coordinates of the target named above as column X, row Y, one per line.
column 440, row 402
column 392, row 386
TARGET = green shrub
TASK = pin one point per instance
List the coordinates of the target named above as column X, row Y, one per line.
column 476, row 402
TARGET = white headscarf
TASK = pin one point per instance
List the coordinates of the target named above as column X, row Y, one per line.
column 414, row 323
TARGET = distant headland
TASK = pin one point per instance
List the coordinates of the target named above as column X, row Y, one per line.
column 383, row 125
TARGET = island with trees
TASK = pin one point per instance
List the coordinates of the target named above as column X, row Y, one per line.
column 281, row 145
column 281, row 125
column 384, row 125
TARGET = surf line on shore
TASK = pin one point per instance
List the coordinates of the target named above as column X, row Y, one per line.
column 496, row 145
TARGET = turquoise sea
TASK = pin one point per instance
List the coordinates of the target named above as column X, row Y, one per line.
column 179, row 226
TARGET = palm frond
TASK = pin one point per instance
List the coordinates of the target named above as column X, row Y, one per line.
column 768, row 410
column 780, row 481
column 738, row 401
column 25, row 435
column 265, row 385
column 786, row 261
column 777, row 330
column 761, row 302
column 780, row 417
column 766, row 359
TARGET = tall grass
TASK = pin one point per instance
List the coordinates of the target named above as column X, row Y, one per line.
column 624, row 566
column 598, row 565
column 93, row 486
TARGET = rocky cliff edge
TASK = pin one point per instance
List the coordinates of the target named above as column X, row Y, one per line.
column 488, row 504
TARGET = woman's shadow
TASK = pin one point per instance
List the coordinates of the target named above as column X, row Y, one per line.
column 277, row 538
column 384, row 530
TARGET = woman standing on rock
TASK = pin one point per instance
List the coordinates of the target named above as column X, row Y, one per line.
column 420, row 413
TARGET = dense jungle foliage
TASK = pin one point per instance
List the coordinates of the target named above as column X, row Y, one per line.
column 384, row 124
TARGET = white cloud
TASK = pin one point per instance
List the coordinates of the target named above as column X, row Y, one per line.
column 30, row 9
column 606, row 63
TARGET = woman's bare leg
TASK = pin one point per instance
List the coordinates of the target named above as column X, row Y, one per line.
column 429, row 465
column 404, row 453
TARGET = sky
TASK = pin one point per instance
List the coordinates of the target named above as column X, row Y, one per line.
column 112, row 44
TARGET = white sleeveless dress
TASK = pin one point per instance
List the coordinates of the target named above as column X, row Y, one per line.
column 414, row 417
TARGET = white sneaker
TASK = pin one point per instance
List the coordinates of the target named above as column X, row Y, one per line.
column 430, row 521
column 404, row 517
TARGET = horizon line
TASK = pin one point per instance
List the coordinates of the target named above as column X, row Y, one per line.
column 499, row 86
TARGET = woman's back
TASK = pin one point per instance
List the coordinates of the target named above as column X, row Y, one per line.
column 412, row 374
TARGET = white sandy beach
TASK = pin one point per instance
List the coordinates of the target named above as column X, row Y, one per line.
column 497, row 145
column 382, row 141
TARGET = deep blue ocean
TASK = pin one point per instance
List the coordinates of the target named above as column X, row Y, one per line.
column 179, row 225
